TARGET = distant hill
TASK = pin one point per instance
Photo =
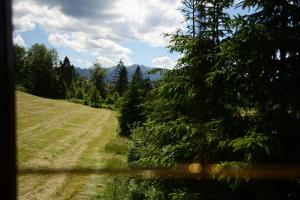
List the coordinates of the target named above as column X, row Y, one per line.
column 110, row 72
column 83, row 72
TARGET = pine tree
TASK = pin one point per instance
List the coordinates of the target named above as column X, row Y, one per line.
column 98, row 78
column 121, row 78
column 200, row 110
column 258, row 70
column 138, row 75
column 131, row 112
column 261, row 61
column 148, row 85
column 67, row 71
column 64, row 76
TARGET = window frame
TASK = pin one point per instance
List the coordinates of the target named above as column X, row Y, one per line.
column 8, row 168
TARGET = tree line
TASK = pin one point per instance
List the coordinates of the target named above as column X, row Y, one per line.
column 232, row 100
column 39, row 72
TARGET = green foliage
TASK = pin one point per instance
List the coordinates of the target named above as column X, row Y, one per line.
column 199, row 110
column 163, row 144
column 117, row 146
column 93, row 97
column 38, row 72
column 172, row 97
column 40, row 63
column 121, row 78
column 76, row 90
column 98, row 78
column 65, row 75
column 20, row 61
column 112, row 98
column 252, row 145
column 84, row 90
column 131, row 111
column 258, row 69
column 228, row 67
column 67, row 71
column 183, row 194
column 155, row 70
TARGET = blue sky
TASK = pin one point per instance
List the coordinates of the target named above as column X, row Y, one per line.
column 100, row 30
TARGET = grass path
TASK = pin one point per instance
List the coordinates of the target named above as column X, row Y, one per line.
column 56, row 133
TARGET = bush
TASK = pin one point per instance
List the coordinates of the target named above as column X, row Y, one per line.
column 117, row 146
column 112, row 98
column 93, row 97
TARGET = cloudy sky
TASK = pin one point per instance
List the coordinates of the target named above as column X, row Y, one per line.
column 100, row 30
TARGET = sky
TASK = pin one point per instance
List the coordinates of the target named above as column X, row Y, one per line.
column 102, row 31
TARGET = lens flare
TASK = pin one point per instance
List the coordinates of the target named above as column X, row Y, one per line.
column 195, row 168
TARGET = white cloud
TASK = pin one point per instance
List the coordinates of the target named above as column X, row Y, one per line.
column 28, row 14
column 100, row 27
column 23, row 24
column 17, row 39
column 118, row 20
column 163, row 62
column 105, row 62
column 82, row 63
column 81, row 42
column 149, row 19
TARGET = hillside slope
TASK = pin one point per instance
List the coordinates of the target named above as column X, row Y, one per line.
column 60, row 134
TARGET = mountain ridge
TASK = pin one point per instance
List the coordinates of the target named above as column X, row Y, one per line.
column 110, row 72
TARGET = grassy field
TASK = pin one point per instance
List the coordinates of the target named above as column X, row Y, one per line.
column 60, row 134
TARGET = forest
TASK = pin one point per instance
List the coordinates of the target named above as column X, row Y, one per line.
column 40, row 72
column 232, row 100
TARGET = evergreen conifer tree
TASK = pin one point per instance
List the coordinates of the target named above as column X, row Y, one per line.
column 67, row 71
column 121, row 78
column 131, row 112
column 98, row 78
column 64, row 76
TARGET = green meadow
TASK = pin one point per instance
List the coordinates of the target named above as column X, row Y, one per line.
column 61, row 134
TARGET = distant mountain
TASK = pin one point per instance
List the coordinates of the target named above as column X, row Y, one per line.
column 83, row 72
column 110, row 72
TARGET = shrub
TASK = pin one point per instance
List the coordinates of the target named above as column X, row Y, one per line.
column 117, row 146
